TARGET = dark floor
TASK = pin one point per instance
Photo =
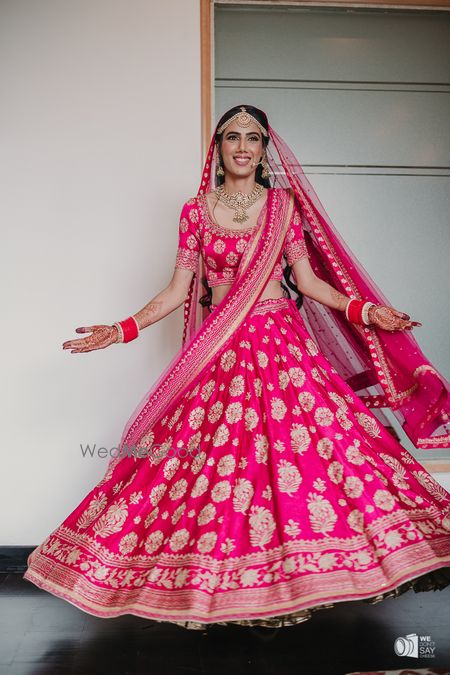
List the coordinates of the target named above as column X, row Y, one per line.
column 42, row 635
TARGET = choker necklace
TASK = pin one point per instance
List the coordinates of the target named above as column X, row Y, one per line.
column 239, row 201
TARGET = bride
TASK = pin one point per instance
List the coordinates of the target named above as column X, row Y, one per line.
column 258, row 481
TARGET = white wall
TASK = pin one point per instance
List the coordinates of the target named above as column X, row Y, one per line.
column 100, row 137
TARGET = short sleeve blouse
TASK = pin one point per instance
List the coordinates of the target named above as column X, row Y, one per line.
column 222, row 250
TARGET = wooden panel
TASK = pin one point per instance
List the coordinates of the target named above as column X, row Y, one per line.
column 403, row 4
column 206, row 55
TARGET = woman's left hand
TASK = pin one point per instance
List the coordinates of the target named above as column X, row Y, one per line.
column 391, row 319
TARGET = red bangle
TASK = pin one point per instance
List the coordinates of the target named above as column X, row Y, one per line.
column 130, row 329
column 353, row 310
column 357, row 311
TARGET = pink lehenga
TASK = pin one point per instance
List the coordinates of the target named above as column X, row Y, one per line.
column 253, row 485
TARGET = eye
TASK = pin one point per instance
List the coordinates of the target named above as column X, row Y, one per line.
column 232, row 137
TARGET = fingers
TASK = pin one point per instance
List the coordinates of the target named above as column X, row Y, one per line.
column 74, row 343
column 81, row 342
column 406, row 324
column 393, row 324
column 409, row 325
column 85, row 329
column 402, row 315
column 87, row 344
column 402, row 325
column 77, row 350
column 82, row 349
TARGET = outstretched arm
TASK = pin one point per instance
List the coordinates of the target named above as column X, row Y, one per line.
column 312, row 286
column 169, row 299
column 165, row 302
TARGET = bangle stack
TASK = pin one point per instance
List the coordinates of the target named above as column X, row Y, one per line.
column 357, row 311
column 128, row 329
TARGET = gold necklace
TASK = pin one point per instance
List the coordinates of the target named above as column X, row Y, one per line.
column 239, row 201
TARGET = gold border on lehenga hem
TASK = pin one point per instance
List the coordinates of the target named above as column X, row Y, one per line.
column 430, row 581
column 436, row 579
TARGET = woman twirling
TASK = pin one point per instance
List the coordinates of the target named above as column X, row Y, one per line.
column 256, row 481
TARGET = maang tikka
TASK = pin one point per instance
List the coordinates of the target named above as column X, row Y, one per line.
column 244, row 119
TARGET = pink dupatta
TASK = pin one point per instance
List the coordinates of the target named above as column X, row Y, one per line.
column 197, row 352
column 390, row 363
column 386, row 369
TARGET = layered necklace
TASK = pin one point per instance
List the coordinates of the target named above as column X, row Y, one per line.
column 239, row 201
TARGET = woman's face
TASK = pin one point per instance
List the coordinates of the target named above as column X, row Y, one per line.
column 241, row 149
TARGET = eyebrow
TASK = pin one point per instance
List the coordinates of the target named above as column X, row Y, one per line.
column 249, row 133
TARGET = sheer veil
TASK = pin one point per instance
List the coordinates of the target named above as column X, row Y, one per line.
column 385, row 369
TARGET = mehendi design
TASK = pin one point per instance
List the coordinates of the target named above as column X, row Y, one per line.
column 340, row 299
column 151, row 313
column 267, row 473
column 390, row 319
column 102, row 336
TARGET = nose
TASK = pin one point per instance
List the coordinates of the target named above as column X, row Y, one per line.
column 243, row 144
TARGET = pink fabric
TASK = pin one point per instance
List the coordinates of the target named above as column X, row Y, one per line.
column 263, row 249
column 269, row 488
column 264, row 485
column 221, row 247
column 392, row 362
column 386, row 369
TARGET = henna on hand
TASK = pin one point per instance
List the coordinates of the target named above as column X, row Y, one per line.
column 390, row 319
column 101, row 337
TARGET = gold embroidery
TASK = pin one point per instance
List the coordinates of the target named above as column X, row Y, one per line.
column 186, row 259
column 294, row 250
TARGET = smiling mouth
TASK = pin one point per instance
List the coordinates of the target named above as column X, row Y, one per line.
column 242, row 161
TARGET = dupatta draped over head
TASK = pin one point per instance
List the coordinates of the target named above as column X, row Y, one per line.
column 386, row 369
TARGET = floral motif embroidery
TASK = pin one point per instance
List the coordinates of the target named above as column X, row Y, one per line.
column 113, row 520
column 242, row 495
column 291, row 478
column 262, row 526
column 322, row 515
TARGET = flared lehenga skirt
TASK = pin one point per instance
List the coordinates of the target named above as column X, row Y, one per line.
column 270, row 491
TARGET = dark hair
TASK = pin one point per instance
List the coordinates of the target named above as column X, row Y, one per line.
column 259, row 115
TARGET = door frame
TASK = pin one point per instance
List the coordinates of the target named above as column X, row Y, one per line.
column 207, row 81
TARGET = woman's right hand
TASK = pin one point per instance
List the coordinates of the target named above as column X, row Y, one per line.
column 101, row 337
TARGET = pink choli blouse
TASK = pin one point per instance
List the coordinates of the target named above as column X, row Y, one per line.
column 221, row 248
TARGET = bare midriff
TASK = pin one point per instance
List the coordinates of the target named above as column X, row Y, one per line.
column 272, row 290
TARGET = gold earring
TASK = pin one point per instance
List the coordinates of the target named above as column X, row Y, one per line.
column 265, row 171
column 219, row 169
